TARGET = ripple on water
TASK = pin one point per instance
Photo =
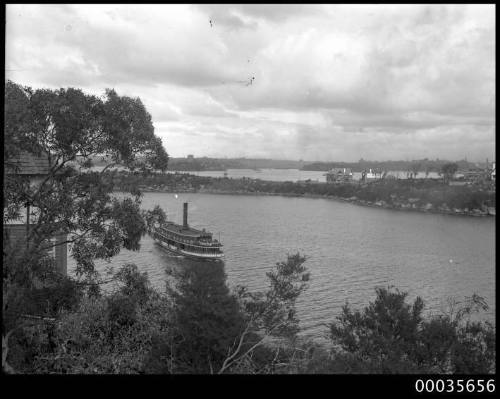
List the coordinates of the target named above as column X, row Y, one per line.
column 350, row 249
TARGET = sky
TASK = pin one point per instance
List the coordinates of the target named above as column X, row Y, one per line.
column 311, row 82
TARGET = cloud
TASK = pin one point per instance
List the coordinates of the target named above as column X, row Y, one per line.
column 329, row 80
column 234, row 15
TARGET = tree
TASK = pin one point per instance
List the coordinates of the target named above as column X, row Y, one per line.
column 382, row 332
column 107, row 334
column 218, row 331
column 205, row 319
column 448, row 170
column 392, row 336
column 269, row 314
column 70, row 127
column 415, row 168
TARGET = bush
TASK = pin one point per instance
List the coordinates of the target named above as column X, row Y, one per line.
column 135, row 284
column 207, row 321
column 121, row 311
column 391, row 336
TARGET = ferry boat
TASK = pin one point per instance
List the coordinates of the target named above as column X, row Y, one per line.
column 186, row 241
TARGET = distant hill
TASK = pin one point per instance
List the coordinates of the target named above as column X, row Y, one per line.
column 206, row 163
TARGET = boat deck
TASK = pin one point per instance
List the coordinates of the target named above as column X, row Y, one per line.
column 188, row 232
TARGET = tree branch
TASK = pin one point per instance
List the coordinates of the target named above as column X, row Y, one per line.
column 108, row 166
column 228, row 362
column 228, row 359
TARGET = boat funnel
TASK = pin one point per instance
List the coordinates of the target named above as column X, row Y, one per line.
column 185, row 221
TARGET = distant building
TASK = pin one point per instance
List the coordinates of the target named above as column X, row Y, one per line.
column 15, row 233
column 369, row 175
column 339, row 175
column 476, row 175
column 190, row 158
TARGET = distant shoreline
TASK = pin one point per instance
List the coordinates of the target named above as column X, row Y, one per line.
column 376, row 204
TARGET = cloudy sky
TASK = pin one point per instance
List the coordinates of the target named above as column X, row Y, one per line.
column 330, row 82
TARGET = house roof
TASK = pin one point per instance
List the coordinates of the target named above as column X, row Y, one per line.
column 28, row 164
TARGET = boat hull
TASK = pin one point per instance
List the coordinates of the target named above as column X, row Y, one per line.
column 176, row 251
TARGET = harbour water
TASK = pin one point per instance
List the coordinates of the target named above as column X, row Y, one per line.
column 350, row 250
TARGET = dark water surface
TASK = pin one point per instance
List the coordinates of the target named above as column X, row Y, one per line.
column 351, row 250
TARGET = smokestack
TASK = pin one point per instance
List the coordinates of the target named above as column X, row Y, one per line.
column 185, row 223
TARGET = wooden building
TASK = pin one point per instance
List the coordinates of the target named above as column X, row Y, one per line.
column 15, row 232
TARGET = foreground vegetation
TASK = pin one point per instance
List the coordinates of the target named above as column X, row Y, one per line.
column 199, row 326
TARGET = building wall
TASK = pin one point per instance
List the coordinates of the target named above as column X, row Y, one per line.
column 15, row 235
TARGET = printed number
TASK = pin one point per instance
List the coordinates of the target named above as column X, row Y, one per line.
column 437, row 386
column 440, row 385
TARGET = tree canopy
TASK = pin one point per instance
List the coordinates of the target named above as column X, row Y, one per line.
column 448, row 171
column 68, row 128
column 393, row 336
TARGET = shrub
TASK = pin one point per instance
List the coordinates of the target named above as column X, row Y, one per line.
column 391, row 336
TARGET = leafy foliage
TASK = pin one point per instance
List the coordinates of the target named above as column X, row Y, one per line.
column 68, row 128
column 216, row 330
column 448, row 171
column 207, row 320
column 197, row 328
column 392, row 336
column 105, row 334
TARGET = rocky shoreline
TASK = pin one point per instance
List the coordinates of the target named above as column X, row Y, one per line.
column 398, row 206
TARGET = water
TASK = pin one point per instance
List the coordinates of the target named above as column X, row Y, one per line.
column 351, row 250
